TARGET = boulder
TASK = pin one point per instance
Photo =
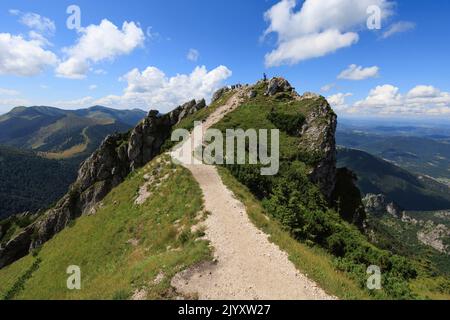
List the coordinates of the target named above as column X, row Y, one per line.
column 379, row 205
column 277, row 85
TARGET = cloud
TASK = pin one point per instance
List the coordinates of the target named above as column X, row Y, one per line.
column 327, row 87
column 39, row 38
column 354, row 72
column 99, row 71
column 422, row 91
column 8, row 92
column 193, row 55
column 92, row 87
column 310, row 46
column 35, row 22
column 398, row 27
column 337, row 101
column 22, row 57
column 421, row 100
column 149, row 89
column 382, row 97
column 318, row 28
column 152, row 89
column 98, row 43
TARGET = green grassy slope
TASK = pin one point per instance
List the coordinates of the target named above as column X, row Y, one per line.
column 123, row 247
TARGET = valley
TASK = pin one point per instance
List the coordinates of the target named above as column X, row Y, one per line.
column 418, row 150
column 41, row 149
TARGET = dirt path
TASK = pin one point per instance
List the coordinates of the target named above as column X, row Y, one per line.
column 247, row 265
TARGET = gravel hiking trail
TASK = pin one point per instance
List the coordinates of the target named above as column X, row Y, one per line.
column 246, row 265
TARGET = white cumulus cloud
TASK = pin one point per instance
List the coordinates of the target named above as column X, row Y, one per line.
column 423, row 100
column 423, row 91
column 337, row 101
column 153, row 89
column 317, row 28
column 22, row 57
column 354, row 72
column 98, row 43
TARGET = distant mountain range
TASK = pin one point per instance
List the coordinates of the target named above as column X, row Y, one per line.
column 410, row 191
column 58, row 133
column 41, row 149
column 419, row 150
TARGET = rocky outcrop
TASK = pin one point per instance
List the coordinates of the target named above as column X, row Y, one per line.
column 277, row 85
column 106, row 168
column 219, row 94
column 317, row 134
column 433, row 235
column 318, row 140
column 379, row 205
column 309, row 95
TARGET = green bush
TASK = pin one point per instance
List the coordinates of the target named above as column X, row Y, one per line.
column 289, row 123
column 298, row 204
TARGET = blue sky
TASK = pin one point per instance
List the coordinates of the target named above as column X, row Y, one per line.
column 399, row 70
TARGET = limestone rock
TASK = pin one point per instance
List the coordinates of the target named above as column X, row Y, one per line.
column 219, row 94
column 378, row 204
column 277, row 85
column 309, row 95
column 433, row 235
column 318, row 138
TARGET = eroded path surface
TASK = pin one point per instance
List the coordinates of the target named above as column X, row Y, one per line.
column 247, row 265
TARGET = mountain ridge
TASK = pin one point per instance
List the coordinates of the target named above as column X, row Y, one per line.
column 50, row 129
column 378, row 176
column 123, row 175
